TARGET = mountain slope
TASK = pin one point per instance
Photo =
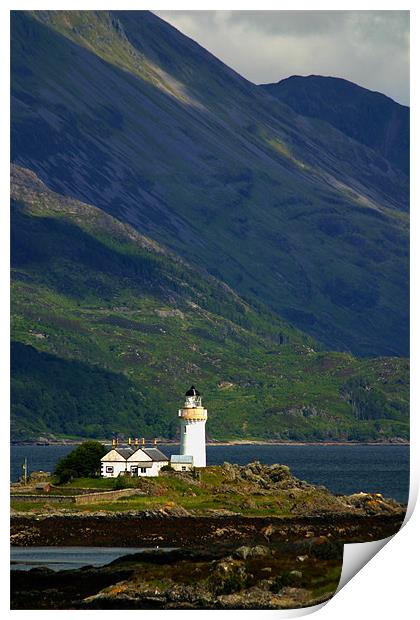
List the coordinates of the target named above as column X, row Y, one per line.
column 367, row 116
column 120, row 110
column 109, row 328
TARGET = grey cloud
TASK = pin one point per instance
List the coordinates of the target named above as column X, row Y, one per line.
column 370, row 48
column 301, row 23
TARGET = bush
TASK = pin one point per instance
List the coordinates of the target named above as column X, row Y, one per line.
column 126, row 482
column 84, row 461
column 66, row 475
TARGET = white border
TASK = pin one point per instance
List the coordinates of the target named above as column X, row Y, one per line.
column 387, row 586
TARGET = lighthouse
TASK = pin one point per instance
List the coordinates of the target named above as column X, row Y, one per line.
column 193, row 419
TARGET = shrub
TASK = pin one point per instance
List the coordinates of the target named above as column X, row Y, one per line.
column 66, row 475
column 84, row 461
column 126, row 482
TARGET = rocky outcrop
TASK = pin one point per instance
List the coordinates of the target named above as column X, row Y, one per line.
column 267, row 477
column 253, row 577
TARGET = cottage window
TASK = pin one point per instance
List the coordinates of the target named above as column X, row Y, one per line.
column 133, row 469
column 142, row 470
column 110, row 469
column 184, row 468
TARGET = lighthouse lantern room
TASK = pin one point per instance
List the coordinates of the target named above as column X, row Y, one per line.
column 193, row 419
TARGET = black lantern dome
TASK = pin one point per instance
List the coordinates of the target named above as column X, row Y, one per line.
column 192, row 392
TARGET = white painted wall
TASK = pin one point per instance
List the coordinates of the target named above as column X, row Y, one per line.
column 193, row 440
column 180, row 466
column 117, row 468
column 149, row 471
column 138, row 455
column 155, row 468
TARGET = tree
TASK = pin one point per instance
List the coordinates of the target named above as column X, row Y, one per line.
column 83, row 461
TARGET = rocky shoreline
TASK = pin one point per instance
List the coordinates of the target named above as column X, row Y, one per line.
column 149, row 529
column 221, row 559
column 240, row 577
column 220, row 562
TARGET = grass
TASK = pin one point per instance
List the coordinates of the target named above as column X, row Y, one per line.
column 43, row 506
column 104, row 484
column 325, row 583
column 213, row 492
column 201, row 505
column 284, row 151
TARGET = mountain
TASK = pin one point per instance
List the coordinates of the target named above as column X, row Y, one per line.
column 369, row 117
column 120, row 111
column 110, row 327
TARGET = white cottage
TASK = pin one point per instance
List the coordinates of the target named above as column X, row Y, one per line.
column 135, row 462
column 146, row 462
column 114, row 462
column 182, row 462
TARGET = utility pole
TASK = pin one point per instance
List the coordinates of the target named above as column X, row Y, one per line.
column 25, row 470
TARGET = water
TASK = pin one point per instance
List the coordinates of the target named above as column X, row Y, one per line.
column 66, row 558
column 342, row 469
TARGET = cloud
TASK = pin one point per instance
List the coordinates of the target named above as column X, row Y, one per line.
column 370, row 48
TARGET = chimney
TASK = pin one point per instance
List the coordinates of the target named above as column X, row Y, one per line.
column 155, row 442
column 142, row 441
column 136, row 442
column 129, row 441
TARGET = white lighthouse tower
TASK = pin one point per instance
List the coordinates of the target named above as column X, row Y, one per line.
column 193, row 428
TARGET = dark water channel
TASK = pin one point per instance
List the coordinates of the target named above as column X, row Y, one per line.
column 341, row 468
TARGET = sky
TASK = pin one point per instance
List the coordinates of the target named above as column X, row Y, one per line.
column 370, row 48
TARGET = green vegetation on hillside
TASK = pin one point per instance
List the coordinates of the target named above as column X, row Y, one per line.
column 109, row 329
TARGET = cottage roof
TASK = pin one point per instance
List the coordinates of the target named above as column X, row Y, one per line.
column 124, row 452
column 185, row 459
column 139, row 455
column 116, row 454
column 155, row 454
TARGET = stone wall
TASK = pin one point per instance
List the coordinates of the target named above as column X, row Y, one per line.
column 104, row 496
column 85, row 498
column 57, row 499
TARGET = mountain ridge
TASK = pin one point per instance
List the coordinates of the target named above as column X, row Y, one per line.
column 308, row 221
column 370, row 117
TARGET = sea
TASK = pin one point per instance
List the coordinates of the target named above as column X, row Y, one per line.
column 69, row 558
column 343, row 469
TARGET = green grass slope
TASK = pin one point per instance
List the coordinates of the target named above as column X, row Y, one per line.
column 121, row 111
column 109, row 328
